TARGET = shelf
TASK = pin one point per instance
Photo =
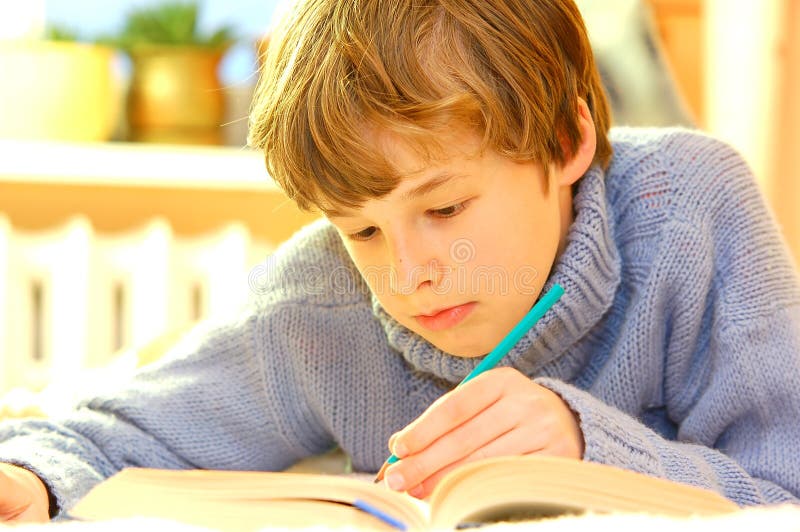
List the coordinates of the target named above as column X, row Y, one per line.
column 129, row 164
column 122, row 186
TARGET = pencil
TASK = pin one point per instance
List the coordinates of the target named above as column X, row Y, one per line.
column 502, row 349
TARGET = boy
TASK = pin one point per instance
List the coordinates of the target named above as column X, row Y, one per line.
column 460, row 152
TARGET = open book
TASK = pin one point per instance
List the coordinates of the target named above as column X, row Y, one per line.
column 496, row 489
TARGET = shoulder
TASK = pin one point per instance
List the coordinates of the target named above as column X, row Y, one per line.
column 694, row 201
column 689, row 170
column 670, row 141
column 663, row 175
column 311, row 267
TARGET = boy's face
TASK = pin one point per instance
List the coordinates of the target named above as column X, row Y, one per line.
column 460, row 250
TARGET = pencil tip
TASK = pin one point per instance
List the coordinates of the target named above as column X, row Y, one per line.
column 381, row 472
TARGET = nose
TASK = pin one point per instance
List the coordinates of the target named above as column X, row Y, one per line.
column 412, row 261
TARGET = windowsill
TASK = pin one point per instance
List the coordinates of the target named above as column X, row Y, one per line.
column 120, row 186
column 133, row 164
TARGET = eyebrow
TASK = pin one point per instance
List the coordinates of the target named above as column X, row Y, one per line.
column 334, row 213
column 431, row 185
column 420, row 190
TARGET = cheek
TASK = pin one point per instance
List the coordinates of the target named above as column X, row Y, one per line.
column 377, row 275
column 362, row 262
column 520, row 245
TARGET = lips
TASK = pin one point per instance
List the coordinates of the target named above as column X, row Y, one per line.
column 445, row 318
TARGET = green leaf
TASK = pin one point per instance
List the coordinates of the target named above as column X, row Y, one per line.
column 172, row 23
column 60, row 33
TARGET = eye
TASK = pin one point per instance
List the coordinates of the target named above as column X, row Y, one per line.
column 364, row 234
column 449, row 211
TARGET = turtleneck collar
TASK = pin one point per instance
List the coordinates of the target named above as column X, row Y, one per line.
column 589, row 272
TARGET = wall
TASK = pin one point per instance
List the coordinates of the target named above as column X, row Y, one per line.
column 785, row 194
column 738, row 64
column 751, row 83
column 741, row 40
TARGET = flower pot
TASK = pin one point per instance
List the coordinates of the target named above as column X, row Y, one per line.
column 175, row 95
column 58, row 91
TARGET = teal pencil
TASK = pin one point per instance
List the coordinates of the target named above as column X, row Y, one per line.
column 502, row 349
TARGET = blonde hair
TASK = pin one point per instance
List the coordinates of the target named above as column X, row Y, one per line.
column 337, row 71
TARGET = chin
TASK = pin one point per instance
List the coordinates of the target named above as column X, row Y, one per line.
column 464, row 351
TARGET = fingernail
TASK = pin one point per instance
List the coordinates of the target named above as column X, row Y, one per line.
column 416, row 491
column 395, row 480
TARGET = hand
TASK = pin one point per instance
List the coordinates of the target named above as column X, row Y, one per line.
column 23, row 496
column 500, row 412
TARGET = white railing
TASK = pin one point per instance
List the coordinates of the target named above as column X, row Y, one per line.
column 71, row 298
column 106, row 247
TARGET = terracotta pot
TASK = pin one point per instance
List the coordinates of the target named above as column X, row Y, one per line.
column 175, row 95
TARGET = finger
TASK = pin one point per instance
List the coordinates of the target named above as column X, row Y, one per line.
column 17, row 496
column 508, row 444
column 450, row 411
column 499, row 418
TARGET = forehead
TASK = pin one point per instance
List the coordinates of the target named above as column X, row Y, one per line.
column 414, row 163
column 412, row 158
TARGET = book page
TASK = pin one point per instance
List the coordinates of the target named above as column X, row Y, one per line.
column 531, row 487
column 241, row 501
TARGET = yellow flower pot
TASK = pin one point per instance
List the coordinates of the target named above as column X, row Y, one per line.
column 58, row 91
column 175, row 95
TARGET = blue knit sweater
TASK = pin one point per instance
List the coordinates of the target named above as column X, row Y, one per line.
column 677, row 343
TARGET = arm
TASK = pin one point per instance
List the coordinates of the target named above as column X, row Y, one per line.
column 750, row 459
column 209, row 403
column 733, row 393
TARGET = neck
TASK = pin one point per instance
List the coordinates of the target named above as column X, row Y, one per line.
column 567, row 217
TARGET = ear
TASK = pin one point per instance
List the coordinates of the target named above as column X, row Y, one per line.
column 580, row 161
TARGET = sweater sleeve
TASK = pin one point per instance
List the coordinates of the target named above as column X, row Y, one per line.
column 733, row 391
column 753, row 460
column 223, row 397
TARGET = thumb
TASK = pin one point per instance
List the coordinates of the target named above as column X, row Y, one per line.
column 23, row 496
column 13, row 499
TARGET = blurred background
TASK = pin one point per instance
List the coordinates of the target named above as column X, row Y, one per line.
column 130, row 207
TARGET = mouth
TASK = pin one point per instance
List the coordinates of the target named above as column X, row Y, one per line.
column 446, row 318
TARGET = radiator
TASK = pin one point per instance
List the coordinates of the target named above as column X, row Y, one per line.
column 73, row 298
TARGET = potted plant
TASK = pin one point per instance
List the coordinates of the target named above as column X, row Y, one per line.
column 175, row 94
column 58, row 88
